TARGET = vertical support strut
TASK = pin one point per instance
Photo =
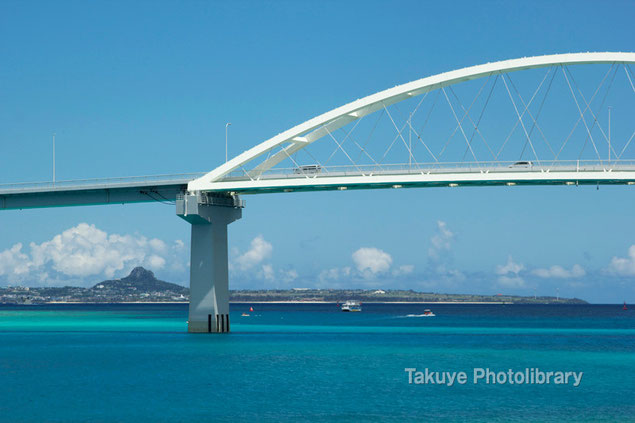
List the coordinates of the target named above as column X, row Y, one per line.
column 209, row 269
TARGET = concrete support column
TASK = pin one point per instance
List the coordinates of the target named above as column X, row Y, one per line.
column 209, row 268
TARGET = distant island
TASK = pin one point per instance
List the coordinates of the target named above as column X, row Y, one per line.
column 141, row 286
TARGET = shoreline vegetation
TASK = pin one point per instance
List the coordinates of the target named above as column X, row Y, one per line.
column 386, row 296
column 141, row 286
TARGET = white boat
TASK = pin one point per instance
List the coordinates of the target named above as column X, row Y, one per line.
column 351, row 306
column 428, row 313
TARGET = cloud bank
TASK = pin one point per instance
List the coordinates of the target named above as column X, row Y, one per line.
column 253, row 267
column 440, row 257
column 84, row 251
column 371, row 267
column 557, row 271
column 509, row 274
column 85, row 254
column 441, row 241
column 259, row 251
column 371, row 261
column 624, row 266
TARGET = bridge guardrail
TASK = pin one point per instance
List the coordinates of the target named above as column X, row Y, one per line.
column 437, row 168
column 326, row 171
column 100, row 183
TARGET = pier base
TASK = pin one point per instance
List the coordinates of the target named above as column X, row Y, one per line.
column 209, row 268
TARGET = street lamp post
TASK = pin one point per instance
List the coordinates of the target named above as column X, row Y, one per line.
column 609, row 134
column 226, row 126
column 53, row 158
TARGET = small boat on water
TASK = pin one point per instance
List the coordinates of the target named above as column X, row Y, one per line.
column 624, row 308
column 426, row 313
column 351, row 306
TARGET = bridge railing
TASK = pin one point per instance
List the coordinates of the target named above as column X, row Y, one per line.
column 318, row 171
column 100, row 183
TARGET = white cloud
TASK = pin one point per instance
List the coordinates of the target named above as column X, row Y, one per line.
column 441, row 241
column 259, row 250
column 509, row 267
column 449, row 275
column 406, row 269
column 371, row 261
column 80, row 252
column 371, row 266
column 158, row 245
column 456, row 275
column 279, row 278
column 156, row 262
column 14, row 263
column 509, row 273
column 511, row 281
column 267, row 272
column 624, row 266
column 334, row 274
column 254, row 265
column 440, row 259
column 288, row 275
column 557, row 271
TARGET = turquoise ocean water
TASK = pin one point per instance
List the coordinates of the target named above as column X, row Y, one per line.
column 310, row 362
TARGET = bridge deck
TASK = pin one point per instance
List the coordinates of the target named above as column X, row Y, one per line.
column 158, row 188
column 428, row 175
column 165, row 188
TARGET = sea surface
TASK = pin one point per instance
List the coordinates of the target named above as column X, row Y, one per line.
column 311, row 362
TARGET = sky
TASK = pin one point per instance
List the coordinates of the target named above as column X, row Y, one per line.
column 144, row 88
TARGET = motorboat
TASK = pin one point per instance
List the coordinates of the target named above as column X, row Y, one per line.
column 351, row 306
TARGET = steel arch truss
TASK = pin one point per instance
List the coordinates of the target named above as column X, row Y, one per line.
column 285, row 145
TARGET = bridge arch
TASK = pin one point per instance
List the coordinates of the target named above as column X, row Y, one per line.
column 308, row 132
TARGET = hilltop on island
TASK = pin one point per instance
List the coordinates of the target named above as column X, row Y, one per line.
column 139, row 286
column 142, row 286
column 140, row 282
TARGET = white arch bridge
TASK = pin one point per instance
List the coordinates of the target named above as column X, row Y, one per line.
column 565, row 119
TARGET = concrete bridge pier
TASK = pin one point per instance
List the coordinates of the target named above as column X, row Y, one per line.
column 209, row 216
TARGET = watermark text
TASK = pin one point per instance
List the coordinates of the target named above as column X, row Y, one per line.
column 480, row 375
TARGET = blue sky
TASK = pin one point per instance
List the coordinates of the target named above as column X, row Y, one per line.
column 146, row 88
